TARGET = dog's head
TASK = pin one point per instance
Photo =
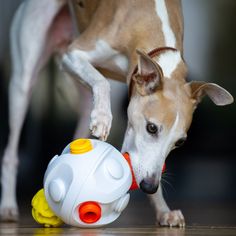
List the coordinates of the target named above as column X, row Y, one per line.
column 160, row 113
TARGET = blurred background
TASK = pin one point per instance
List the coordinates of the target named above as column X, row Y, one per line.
column 201, row 175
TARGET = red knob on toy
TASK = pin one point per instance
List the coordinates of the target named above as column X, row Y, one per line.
column 89, row 212
column 134, row 184
column 164, row 168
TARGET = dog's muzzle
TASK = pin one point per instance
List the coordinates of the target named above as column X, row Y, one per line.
column 147, row 185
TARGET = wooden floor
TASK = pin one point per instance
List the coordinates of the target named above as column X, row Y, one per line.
column 9, row 229
column 139, row 219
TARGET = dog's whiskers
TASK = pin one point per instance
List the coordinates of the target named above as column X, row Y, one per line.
column 163, row 187
column 165, row 181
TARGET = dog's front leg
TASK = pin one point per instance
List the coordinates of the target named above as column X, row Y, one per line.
column 166, row 217
column 77, row 63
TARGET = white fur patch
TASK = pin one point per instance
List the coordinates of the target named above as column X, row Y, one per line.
column 122, row 62
column 105, row 57
column 169, row 62
column 163, row 15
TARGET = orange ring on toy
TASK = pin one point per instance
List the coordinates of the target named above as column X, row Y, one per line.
column 89, row 212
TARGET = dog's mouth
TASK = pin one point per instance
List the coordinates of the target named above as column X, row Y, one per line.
column 147, row 185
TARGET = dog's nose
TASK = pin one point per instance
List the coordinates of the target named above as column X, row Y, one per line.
column 148, row 185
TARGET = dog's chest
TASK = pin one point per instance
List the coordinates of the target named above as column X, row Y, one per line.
column 117, row 64
column 104, row 56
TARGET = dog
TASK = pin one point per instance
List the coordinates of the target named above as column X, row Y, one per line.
column 137, row 42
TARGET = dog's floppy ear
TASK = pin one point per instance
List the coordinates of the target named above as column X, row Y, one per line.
column 216, row 93
column 149, row 74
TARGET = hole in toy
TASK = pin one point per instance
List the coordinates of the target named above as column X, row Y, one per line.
column 89, row 212
column 90, row 217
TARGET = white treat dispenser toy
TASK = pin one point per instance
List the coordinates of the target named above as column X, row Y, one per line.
column 86, row 186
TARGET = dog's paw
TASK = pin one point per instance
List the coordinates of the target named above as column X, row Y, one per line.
column 8, row 213
column 171, row 218
column 100, row 124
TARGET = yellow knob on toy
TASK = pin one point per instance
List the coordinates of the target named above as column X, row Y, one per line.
column 80, row 146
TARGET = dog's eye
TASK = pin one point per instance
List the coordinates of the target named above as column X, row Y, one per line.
column 180, row 142
column 152, row 128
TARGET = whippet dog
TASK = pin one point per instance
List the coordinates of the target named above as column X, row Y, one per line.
column 139, row 41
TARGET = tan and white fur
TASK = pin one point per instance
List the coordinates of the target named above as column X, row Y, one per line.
column 115, row 36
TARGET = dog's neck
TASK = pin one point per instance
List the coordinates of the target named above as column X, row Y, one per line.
column 148, row 25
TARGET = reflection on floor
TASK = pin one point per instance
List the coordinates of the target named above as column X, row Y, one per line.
column 139, row 219
column 191, row 231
